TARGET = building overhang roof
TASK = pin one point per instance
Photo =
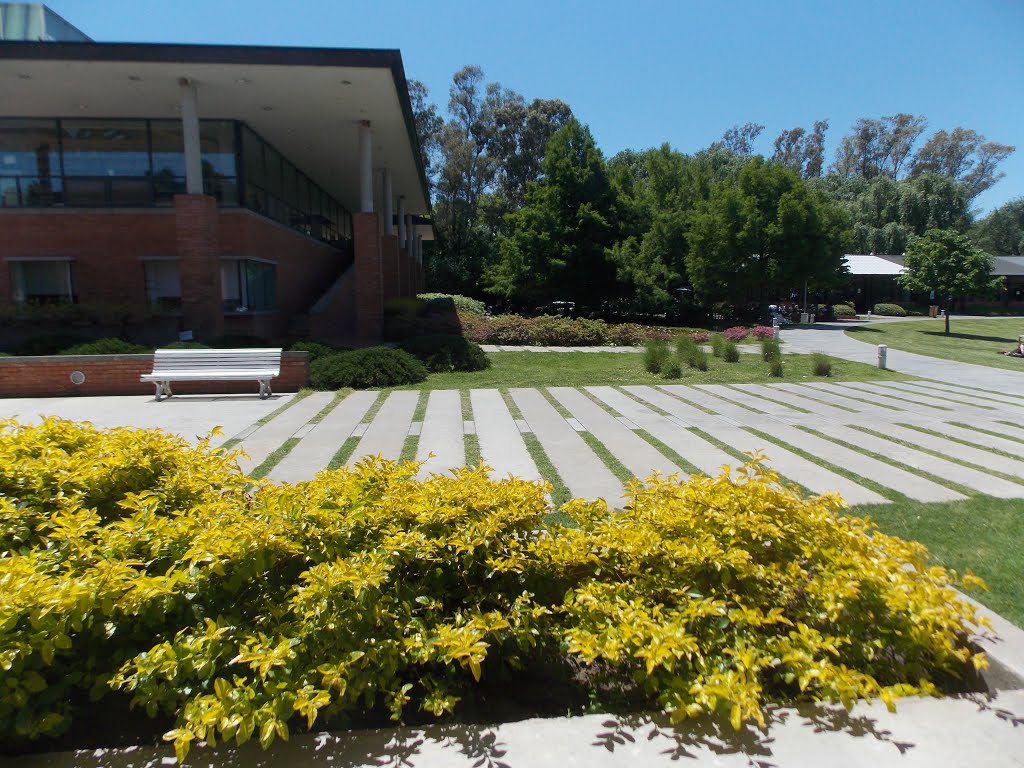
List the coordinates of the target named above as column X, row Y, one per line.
column 870, row 264
column 307, row 102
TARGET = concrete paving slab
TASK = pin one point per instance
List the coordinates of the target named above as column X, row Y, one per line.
column 812, row 476
column 415, row 429
column 706, row 456
column 717, row 404
column 947, row 470
column 191, row 416
column 635, row 453
column 907, row 483
column 978, row 438
column 868, row 401
column 909, row 399
column 947, row 396
column 501, row 445
column 797, row 395
column 684, row 413
column 746, row 399
column 389, row 428
column 580, row 468
column 442, row 434
column 942, row 386
column 268, row 438
column 955, row 450
column 315, row 450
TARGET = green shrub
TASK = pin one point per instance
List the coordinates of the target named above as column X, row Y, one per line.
column 405, row 306
column 627, row 334
column 554, row 330
column 47, row 344
column 154, row 571
column 673, row 367
column 775, row 368
column 698, row 360
column 686, row 347
column 558, row 331
column 770, row 350
column 240, row 341
column 442, row 302
column 731, row 352
column 843, row 310
column 316, row 349
column 445, row 352
column 718, row 345
column 106, row 347
column 889, row 310
column 821, row 365
column 365, row 369
column 185, row 345
column 656, row 354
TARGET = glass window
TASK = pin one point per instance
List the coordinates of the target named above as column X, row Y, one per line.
column 273, row 169
column 42, row 282
column 29, row 148
column 163, row 284
column 217, row 140
column 248, row 286
column 252, row 148
column 105, row 147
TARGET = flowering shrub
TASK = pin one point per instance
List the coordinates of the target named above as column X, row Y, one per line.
column 763, row 332
column 555, row 330
column 135, row 565
column 736, row 333
column 700, row 337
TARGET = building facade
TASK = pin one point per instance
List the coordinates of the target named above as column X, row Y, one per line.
column 227, row 189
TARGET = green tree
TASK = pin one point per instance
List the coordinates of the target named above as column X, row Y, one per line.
column 765, row 233
column 554, row 247
column 948, row 263
column 802, row 152
column 1002, row 231
column 962, row 154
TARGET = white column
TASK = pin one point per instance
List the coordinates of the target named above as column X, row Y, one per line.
column 389, row 224
column 419, row 249
column 410, row 233
column 365, row 167
column 401, row 222
column 190, row 132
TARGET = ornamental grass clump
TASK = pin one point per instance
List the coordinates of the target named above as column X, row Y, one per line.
column 731, row 352
column 770, row 350
column 673, row 368
column 656, row 354
column 718, row 345
column 821, row 365
column 775, row 368
column 139, row 568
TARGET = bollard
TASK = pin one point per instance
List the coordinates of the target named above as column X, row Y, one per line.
column 869, row 315
column 882, row 350
column 775, row 330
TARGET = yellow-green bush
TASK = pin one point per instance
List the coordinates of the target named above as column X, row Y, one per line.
column 135, row 564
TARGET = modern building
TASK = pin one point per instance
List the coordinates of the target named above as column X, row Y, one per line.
column 873, row 279
column 246, row 190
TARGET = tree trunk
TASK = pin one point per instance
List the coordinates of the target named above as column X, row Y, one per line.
column 949, row 308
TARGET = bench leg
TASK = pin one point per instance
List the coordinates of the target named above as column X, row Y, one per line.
column 265, row 389
column 159, row 389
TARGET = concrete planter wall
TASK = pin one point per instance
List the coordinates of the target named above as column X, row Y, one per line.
column 91, row 375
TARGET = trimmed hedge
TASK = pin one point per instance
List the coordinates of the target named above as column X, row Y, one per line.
column 889, row 310
column 442, row 353
column 843, row 310
column 47, row 344
column 155, row 572
column 441, row 302
column 366, row 369
column 106, row 347
column 316, row 349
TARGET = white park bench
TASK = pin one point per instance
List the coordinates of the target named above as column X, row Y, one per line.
column 213, row 365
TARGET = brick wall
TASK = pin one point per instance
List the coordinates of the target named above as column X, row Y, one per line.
column 369, row 302
column 198, row 247
column 119, row 375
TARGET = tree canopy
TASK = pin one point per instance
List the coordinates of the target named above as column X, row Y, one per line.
column 768, row 230
column 948, row 263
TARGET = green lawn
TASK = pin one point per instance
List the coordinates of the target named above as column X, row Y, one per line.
column 580, row 369
column 970, row 341
column 980, row 533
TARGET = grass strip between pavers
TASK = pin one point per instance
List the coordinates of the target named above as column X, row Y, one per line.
column 945, row 482
column 940, row 455
column 227, row 445
column 745, row 457
column 668, row 453
column 961, row 441
column 991, row 432
column 762, row 396
column 274, row 458
column 343, row 453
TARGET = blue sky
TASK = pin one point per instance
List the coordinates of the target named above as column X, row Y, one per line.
column 642, row 73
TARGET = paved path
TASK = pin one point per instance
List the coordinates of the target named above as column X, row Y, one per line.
column 811, row 433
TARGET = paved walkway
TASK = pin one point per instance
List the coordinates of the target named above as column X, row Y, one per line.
column 923, row 733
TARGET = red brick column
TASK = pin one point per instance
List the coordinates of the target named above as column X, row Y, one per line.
column 202, row 303
column 390, row 270
column 368, row 273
